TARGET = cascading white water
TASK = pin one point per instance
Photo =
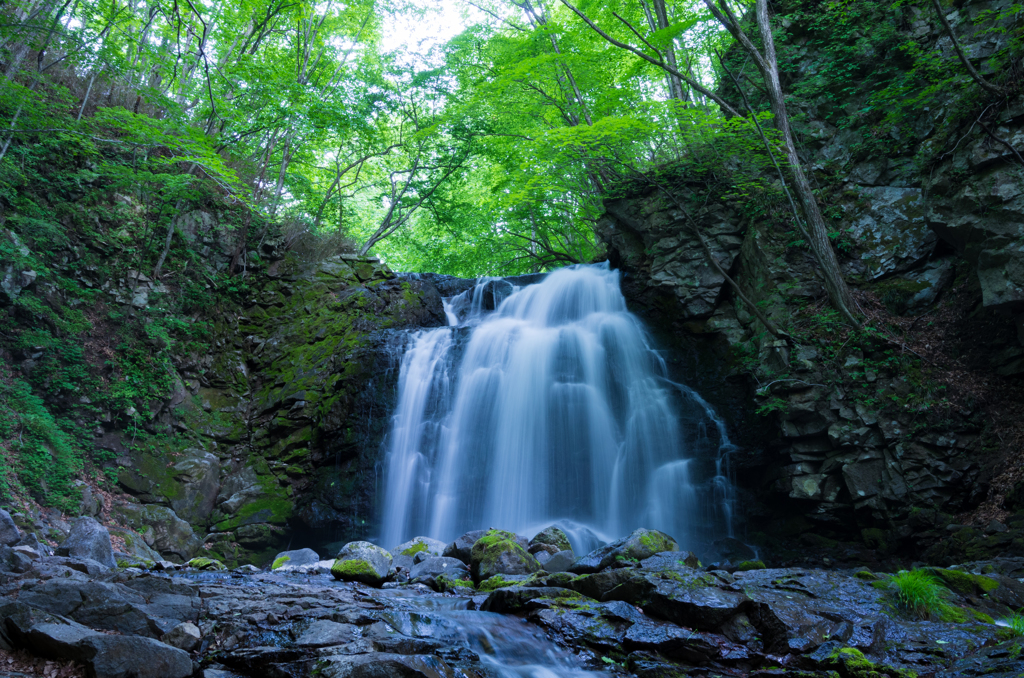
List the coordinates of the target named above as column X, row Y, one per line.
column 555, row 410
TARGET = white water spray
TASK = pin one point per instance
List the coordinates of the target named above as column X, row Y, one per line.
column 556, row 410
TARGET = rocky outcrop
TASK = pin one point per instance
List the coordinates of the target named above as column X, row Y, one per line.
column 856, row 440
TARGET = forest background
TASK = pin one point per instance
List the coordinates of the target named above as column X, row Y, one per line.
column 486, row 153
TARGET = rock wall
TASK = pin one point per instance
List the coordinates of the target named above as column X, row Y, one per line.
column 260, row 429
column 860, row 438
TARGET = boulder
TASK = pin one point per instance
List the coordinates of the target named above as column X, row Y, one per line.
column 14, row 561
column 462, row 547
column 89, row 539
column 500, row 552
column 363, row 562
column 639, row 545
column 551, row 536
column 418, row 545
column 171, row 536
column 295, row 558
column 560, row 562
column 670, row 561
column 185, row 636
column 689, row 598
column 325, row 632
column 428, row 571
column 210, row 564
column 9, row 535
column 105, row 656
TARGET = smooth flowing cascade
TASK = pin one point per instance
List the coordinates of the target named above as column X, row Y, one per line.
column 555, row 409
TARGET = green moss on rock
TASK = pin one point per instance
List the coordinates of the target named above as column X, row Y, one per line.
column 353, row 570
column 415, row 548
column 748, row 565
column 206, row 564
column 280, row 562
column 851, row 663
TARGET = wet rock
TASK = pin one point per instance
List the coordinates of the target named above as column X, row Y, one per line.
column 363, row 562
column 670, row 561
column 499, row 552
column 552, row 536
column 688, row 598
column 586, row 623
column 674, row 642
column 383, row 665
column 639, row 545
column 295, row 558
column 147, row 606
column 324, row 632
column 559, row 562
column 209, row 564
column 428, row 571
column 9, row 534
column 598, row 584
column 418, row 545
column 518, row 598
column 462, row 547
column 185, row 636
column 105, row 656
column 89, row 539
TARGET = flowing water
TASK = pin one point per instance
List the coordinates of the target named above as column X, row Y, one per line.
column 553, row 408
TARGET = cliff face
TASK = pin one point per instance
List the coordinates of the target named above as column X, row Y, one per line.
column 888, row 435
column 234, row 406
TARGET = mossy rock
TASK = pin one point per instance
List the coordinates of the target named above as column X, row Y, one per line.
column 639, row 545
column 363, row 562
column 280, row 562
column 206, row 564
column 965, row 583
column 416, row 545
column 748, row 565
column 851, row 663
column 552, row 536
column 499, row 552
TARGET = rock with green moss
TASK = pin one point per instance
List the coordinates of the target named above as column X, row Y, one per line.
column 294, row 559
column 206, row 564
column 432, row 547
column 748, row 565
column 552, row 537
column 500, row 552
column 625, row 552
column 171, row 537
column 363, row 562
column 964, row 583
column 851, row 663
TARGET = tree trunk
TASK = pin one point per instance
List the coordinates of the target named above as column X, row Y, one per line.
column 767, row 64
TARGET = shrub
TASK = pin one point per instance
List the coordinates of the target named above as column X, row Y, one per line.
column 918, row 592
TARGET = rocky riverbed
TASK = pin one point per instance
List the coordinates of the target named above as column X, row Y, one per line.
column 485, row 605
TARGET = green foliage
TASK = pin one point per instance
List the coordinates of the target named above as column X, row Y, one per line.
column 921, row 594
column 1014, row 624
column 44, row 458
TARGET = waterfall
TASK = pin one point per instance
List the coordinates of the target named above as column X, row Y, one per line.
column 551, row 409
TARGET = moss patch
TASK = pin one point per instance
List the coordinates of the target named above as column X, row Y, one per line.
column 418, row 547
column 852, row 663
column 206, row 564
column 748, row 565
column 355, row 570
column 280, row 562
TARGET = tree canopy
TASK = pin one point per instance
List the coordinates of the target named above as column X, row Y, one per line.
column 487, row 152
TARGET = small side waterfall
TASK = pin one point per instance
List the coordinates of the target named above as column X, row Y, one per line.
column 553, row 408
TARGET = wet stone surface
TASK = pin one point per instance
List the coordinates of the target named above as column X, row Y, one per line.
column 643, row 620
